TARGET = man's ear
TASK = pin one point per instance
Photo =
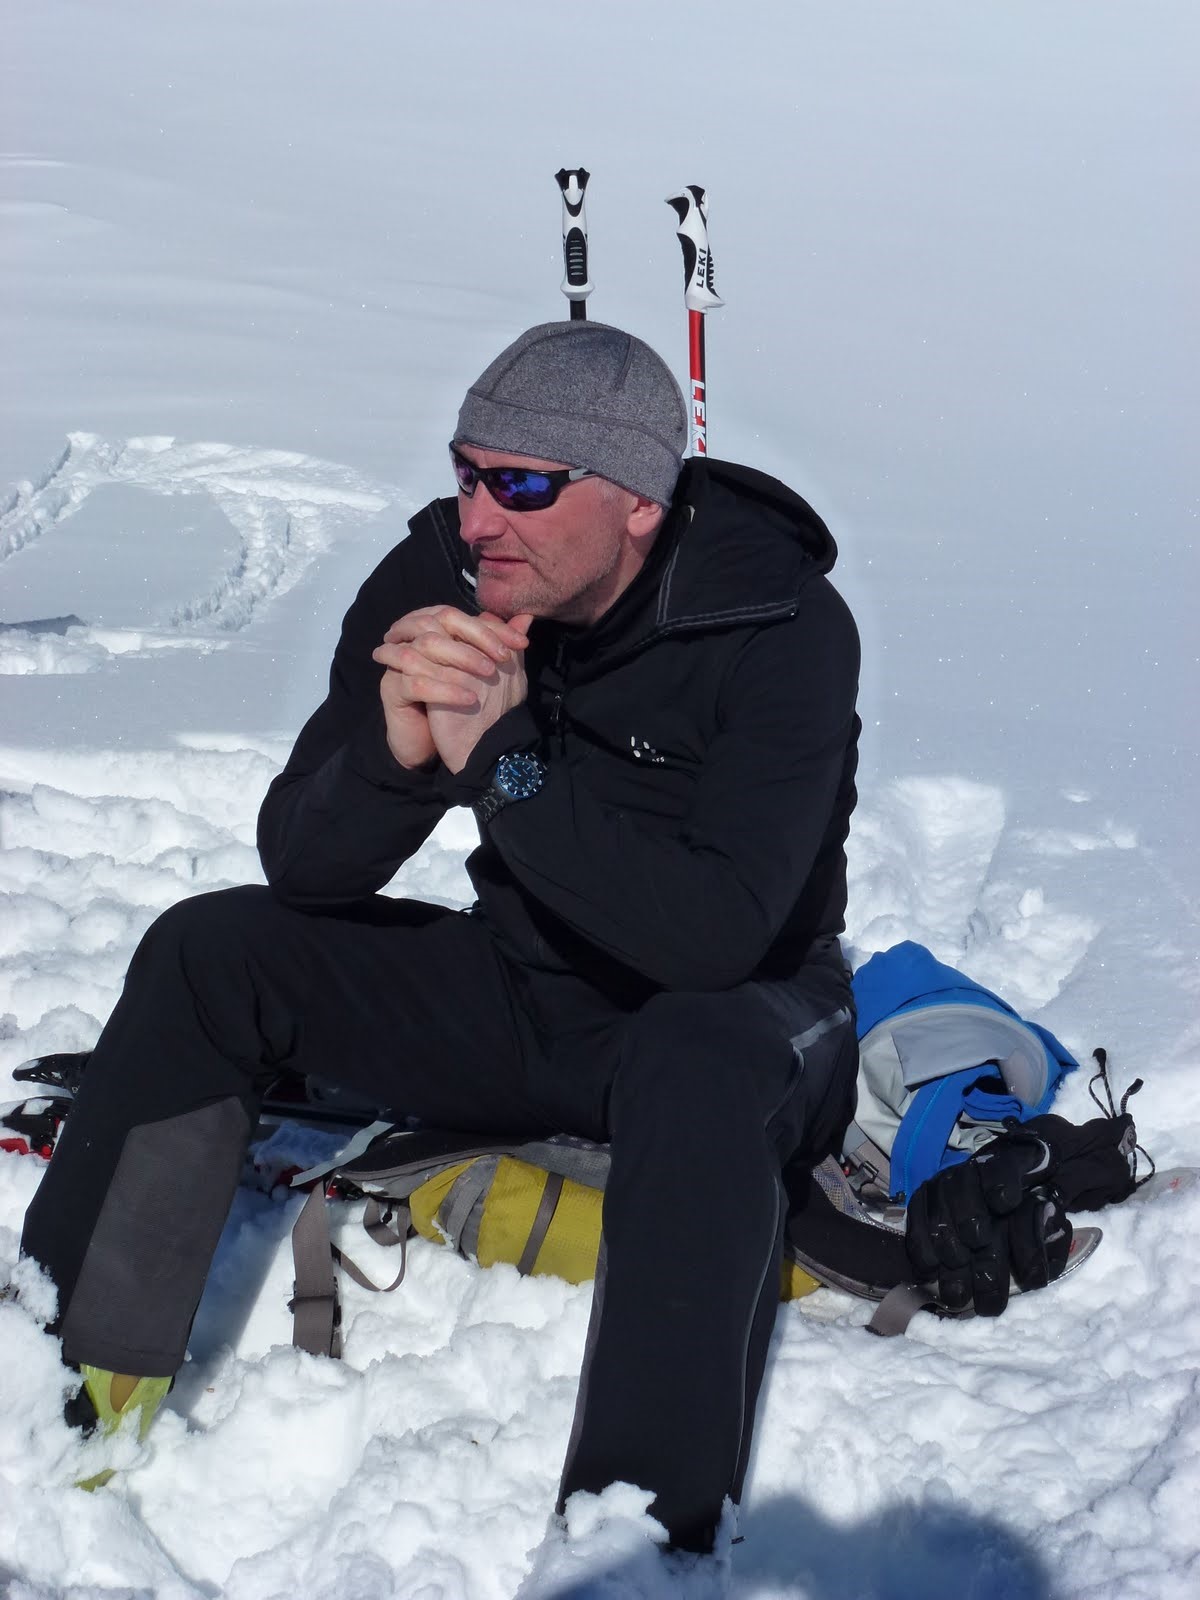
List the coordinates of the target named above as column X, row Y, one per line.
column 644, row 518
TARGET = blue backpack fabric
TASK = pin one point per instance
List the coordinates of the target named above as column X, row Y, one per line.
column 943, row 1063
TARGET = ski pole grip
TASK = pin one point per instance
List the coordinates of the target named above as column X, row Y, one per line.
column 576, row 284
column 691, row 207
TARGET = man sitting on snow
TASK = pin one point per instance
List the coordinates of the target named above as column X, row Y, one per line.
column 640, row 679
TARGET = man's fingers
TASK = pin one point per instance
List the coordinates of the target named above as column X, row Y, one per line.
column 414, row 679
column 430, row 692
column 435, row 656
column 443, row 651
column 521, row 623
column 495, row 638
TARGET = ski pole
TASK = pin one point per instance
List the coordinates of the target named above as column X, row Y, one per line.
column 576, row 285
column 699, row 296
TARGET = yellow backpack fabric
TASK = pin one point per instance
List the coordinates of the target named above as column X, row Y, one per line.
column 571, row 1242
column 535, row 1204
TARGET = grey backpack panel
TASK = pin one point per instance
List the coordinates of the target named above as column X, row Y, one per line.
column 903, row 1052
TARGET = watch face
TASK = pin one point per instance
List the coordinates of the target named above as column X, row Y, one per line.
column 520, row 775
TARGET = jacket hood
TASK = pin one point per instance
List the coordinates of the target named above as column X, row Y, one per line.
column 745, row 545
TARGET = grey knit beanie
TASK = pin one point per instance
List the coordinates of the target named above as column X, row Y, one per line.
column 587, row 395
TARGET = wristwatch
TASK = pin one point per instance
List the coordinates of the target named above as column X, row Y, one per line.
column 517, row 776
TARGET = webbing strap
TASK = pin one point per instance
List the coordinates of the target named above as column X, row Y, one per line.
column 541, row 1222
column 897, row 1309
column 388, row 1227
column 316, row 1312
column 315, row 1305
column 362, row 1140
column 459, row 1207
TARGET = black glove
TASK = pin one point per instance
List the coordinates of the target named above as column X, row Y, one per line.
column 1090, row 1164
column 974, row 1227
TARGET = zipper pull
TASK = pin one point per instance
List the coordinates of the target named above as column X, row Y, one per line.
column 560, row 672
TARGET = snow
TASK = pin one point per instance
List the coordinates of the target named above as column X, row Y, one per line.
column 251, row 257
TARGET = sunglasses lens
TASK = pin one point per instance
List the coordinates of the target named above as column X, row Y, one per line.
column 518, row 490
column 464, row 472
column 514, row 488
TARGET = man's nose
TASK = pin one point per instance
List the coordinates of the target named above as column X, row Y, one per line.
column 479, row 517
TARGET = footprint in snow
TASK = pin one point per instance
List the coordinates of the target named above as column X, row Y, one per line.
column 161, row 544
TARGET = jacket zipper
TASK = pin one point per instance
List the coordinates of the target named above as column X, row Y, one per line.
column 556, row 705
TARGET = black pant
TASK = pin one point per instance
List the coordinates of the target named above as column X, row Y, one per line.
column 704, row 1098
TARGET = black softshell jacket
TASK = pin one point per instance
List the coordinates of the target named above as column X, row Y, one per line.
column 700, row 741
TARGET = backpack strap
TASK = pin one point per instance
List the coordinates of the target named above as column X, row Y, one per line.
column 315, row 1306
column 387, row 1225
column 871, row 1170
column 460, row 1205
column 897, row 1309
column 384, row 1164
column 547, row 1206
column 386, row 1155
column 348, row 1152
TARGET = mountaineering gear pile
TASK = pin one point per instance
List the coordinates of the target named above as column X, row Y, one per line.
column 653, row 962
column 961, row 1155
column 537, row 1205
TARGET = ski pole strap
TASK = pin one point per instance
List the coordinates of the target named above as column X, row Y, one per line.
column 576, row 284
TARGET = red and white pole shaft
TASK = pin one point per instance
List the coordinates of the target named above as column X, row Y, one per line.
column 700, row 297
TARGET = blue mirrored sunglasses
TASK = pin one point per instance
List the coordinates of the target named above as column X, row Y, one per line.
column 516, row 488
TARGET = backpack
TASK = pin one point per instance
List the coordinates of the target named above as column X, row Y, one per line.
column 944, row 1064
column 535, row 1204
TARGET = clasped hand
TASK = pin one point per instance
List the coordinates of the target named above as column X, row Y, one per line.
column 449, row 677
